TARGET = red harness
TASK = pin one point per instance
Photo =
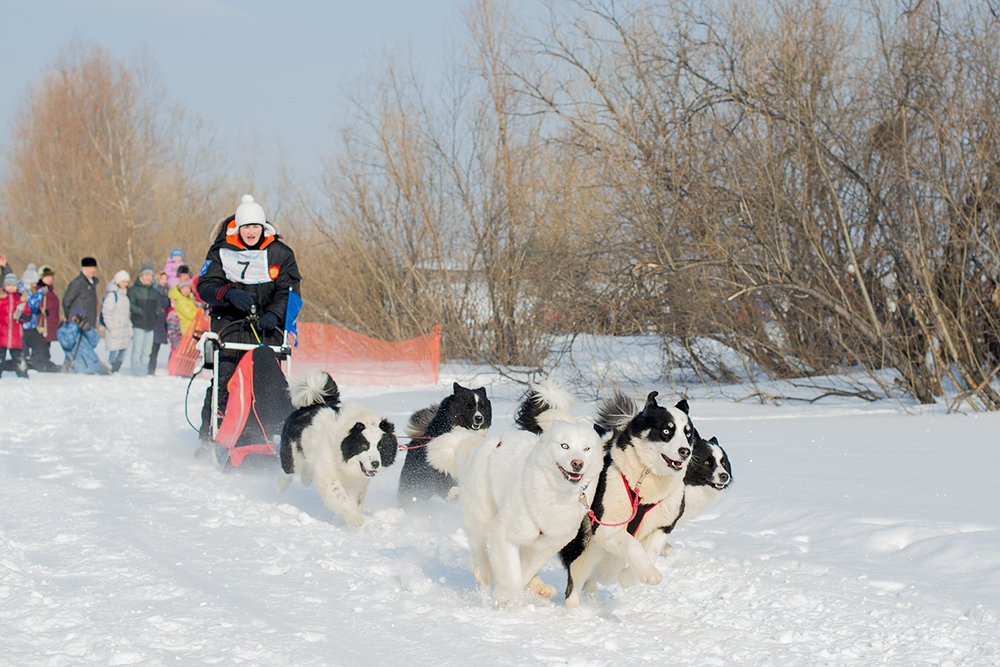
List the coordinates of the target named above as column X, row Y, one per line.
column 636, row 517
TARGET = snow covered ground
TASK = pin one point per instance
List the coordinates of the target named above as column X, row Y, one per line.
column 854, row 533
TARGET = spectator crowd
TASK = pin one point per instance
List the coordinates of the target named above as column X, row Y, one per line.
column 136, row 318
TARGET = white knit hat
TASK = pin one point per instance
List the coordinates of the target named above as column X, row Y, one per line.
column 249, row 212
column 122, row 275
column 30, row 275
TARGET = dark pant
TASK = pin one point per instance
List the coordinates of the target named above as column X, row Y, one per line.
column 152, row 358
column 15, row 363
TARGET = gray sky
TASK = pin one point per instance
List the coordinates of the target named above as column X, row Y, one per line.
column 277, row 70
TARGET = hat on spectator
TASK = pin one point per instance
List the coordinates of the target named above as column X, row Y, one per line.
column 122, row 276
column 9, row 279
column 88, row 261
column 146, row 268
column 176, row 252
column 45, row 270
column 30, row 275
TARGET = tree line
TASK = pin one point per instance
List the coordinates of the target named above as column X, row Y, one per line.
column 812, row 185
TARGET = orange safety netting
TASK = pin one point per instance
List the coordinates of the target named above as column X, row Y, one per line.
column 354, row 359
column 184, row 357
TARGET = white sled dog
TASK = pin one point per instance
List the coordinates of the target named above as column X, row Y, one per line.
column 523, row 496
column 341, row 446
column 639, row 496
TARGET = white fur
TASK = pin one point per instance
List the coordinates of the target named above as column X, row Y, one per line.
column 613, row 555
column 518, row 507
column 341, row 483
column 308, row 388
column 561, row 403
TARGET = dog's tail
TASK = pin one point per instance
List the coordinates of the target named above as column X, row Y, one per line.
column 449, row 452
column 314, row 388
column 543, row 404
column 616, row 412
column 420, row 420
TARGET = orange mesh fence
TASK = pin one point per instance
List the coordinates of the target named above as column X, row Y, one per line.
column 184, row 357
column 354, row 359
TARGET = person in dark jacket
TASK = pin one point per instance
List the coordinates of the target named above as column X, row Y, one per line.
column 144, row 301
column 247, row 274
column 160, row 327
column 82, row 292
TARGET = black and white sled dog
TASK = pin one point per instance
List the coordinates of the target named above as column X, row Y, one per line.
column 524, row 494
column 708, row 474
column 461, row 419
column 638, row 497
column 342, row 446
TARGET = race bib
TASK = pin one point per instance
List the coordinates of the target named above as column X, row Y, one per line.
column 245, row 266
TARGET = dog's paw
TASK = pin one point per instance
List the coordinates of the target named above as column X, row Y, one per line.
column 666, row 549
column 484, row 576
column 354, row 520
column 573, row 600
column 541, row 589
column 652, row 577
column 627, row 578
column 453, row 494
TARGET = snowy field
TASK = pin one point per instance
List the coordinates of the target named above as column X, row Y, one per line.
column 854, row 533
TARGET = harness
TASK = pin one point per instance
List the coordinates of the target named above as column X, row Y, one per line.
column 640, row 510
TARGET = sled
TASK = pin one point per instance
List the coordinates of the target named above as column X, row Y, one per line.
column 257, row 407
column 258, row 395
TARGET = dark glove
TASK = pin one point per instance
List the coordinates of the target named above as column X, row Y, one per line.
column 268, row 321
column 240, row 299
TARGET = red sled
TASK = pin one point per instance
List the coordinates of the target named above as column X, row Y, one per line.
column 257, row 408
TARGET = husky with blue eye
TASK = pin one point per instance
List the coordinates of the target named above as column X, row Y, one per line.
column 640, row 490
column 340, row 446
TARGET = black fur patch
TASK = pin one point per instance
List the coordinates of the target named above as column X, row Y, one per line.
column 291, row 433
column 527, row 412
column 355, row 442
column 331, row 393
column 578, row 545
column 388, row 445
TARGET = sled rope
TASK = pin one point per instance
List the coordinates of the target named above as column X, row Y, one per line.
column 635, row 503
column 406, row 448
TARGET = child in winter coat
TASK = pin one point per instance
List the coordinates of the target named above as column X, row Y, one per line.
column 46, row 316
column 14, row 312
column 174, row 262
column 116, row 317
column 182, row 299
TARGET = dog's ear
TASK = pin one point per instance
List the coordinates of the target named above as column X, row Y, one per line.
column 713, row 440
column 682, row 405
column 651, row 401
column 600, row 430
column 482, row 392
column 358, row 427
column 456, row 387
column 388, row 446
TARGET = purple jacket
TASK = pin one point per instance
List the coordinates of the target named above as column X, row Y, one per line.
column 170, row 268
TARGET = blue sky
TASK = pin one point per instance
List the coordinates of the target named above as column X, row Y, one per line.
column 277, row 70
